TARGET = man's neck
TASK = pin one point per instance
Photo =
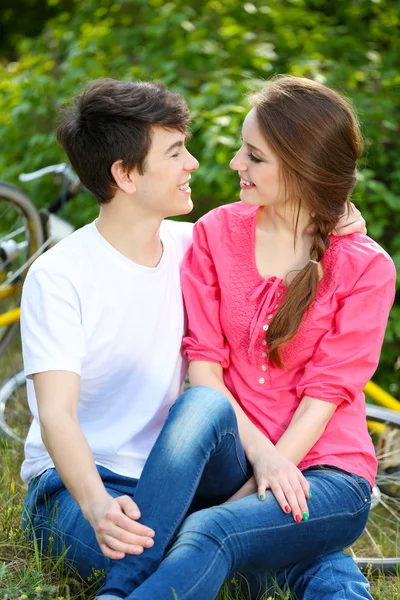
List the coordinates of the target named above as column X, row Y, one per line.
column 134, row 234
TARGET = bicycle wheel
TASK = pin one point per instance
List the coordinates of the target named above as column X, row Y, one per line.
column 21, row 238
column 15, row 416
column 378, row 549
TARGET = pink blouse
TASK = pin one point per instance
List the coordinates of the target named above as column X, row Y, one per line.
column 334, row 353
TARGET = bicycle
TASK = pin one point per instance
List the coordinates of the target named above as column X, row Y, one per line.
column 377, row 549
column 25, row 233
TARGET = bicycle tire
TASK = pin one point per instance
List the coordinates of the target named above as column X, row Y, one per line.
column 378, row 549
column 14, row 201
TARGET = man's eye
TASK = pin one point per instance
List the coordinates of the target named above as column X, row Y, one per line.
column 254, row 158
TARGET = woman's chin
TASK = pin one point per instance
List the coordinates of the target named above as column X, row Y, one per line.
column 249, row 197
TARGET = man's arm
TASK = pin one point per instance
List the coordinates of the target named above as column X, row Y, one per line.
column 113, row 519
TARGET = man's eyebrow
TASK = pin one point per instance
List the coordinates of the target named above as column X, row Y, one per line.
column 179, row 143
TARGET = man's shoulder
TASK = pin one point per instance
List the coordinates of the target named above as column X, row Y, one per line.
column 66, row 257
column 181, row 233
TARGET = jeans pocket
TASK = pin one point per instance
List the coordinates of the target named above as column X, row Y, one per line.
column 359, row 484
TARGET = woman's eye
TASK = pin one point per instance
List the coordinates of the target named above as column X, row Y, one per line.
column 175, row 155
column 254, row 158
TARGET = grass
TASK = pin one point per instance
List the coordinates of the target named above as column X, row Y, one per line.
column 26, row 575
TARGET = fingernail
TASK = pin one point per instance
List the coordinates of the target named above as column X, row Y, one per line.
column 261, row 496
column 150, row 533
column 287, row 509
column 309, row 493
column 305, row 516
column 298, row 518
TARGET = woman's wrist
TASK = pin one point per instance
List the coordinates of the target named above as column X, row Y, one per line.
column 257, row 444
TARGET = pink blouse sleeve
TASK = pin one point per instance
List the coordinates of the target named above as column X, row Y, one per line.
column 348, row 354
column 201, row 292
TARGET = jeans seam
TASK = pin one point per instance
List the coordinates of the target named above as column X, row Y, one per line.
column 199, row 580
column 265, row 529
column 236, row 451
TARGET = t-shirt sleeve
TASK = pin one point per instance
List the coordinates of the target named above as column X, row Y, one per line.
column 51, row 327
column 202, row 295
column 347, row 356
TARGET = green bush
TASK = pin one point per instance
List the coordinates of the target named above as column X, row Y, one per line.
column 215, row 52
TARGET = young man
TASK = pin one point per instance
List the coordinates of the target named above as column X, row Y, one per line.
column 102, row 321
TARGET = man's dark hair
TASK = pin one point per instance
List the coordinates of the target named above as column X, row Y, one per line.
column 111, row 120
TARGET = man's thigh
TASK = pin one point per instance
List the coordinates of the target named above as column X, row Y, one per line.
column 54, row 520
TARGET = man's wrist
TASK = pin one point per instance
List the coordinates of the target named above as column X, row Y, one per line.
column 93, row 497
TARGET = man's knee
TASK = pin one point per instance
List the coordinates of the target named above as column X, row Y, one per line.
column 202, row 405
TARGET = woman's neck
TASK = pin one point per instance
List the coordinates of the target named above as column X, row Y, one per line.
column 284, row 220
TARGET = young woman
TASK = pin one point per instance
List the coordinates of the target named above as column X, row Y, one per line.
column 284, row 331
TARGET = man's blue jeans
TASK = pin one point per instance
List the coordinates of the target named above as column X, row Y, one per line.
column 199, row 449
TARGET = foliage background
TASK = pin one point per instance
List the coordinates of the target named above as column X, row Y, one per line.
column 214, row 52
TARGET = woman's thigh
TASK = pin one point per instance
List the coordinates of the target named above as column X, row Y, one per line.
column 257, row 535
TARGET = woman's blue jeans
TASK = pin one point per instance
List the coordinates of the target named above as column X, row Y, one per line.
column 199, row 449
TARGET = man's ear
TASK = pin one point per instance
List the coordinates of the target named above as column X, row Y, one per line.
column 123, row 177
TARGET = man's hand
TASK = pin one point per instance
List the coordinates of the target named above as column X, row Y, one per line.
column 114, row 521
column 351, row 221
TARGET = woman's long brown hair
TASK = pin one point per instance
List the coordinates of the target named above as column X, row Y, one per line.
column 315, row 134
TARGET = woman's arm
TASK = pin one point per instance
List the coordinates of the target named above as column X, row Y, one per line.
column 312, row 416
column 272, row 470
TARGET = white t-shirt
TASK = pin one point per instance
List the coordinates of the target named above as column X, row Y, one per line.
column 88, row 309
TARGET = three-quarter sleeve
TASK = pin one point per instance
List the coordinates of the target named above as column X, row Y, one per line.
column 202, row 295
column 348, row 354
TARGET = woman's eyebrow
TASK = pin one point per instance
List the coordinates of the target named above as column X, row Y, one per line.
column 255, row 148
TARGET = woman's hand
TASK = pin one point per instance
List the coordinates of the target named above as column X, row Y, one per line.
column 275, row 472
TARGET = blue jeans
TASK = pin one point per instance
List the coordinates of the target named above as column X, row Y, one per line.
column 199, row 449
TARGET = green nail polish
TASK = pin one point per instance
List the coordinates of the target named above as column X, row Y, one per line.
column 305, row 516
column 261, row 496
column 309, row 494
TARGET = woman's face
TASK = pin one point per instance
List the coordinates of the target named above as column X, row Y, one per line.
column 258, row 167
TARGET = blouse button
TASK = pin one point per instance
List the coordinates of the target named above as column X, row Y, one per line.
column 264, row 342
column 279, row 294
column 261, row 380
column 264, row 355
column 265, row 327
column 269, row 317
column 263, row 367
column 276, row 306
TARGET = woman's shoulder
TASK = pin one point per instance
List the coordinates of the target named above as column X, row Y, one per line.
column 228, row 214
column 352, row 255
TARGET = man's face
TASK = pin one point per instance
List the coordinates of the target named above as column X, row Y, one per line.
column 164, row 187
